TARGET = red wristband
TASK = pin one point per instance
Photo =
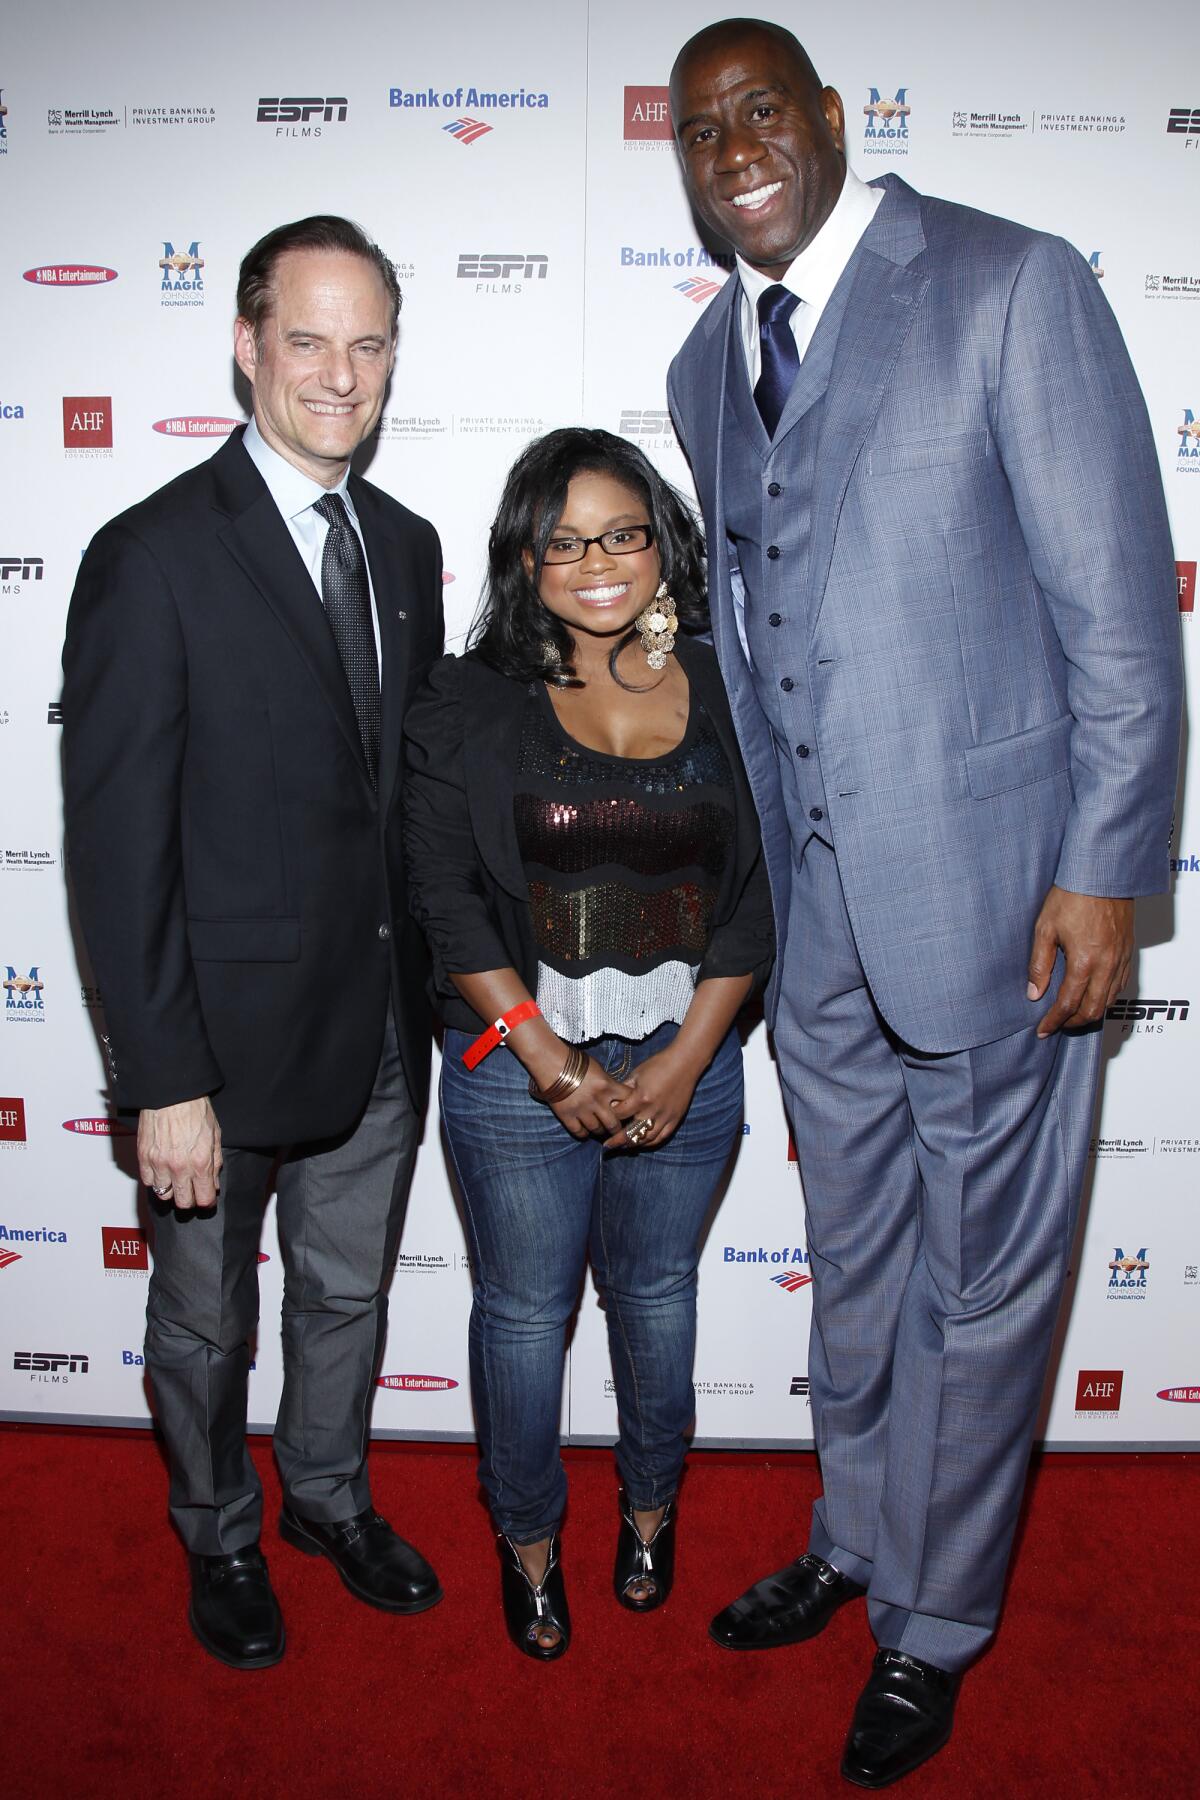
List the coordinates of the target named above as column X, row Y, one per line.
column 497, row 1032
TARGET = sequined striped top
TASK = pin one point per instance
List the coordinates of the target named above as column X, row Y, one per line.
column 624, row 858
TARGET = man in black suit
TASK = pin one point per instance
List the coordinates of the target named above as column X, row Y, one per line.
column 239, row 653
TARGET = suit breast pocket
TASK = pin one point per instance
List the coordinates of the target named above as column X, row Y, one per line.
column 948, row 450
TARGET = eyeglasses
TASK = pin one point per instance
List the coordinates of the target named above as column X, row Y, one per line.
column 621, row 542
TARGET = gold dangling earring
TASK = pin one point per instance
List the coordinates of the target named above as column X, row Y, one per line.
column 658, row 626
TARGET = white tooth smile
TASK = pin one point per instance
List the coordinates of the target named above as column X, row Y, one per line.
column 602, row 593
column 319, row 406
column 758, row 197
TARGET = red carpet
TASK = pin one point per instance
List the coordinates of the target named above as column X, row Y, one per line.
column 1090, row 1689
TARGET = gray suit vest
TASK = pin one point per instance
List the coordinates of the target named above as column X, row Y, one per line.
column 767, row 488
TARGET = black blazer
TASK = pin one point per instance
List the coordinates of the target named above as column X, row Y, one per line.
column 466, row 881
column 240, row 885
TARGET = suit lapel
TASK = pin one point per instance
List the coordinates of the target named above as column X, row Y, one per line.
column 887, row 289
column 260, row 542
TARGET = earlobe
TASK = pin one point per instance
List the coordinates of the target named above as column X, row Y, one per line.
column 243, row 349
column 835, row 116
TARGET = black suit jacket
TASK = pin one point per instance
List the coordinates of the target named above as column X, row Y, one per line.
column 468, row 886
column 240, row 884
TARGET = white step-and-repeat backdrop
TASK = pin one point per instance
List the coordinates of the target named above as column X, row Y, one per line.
column 516, row 163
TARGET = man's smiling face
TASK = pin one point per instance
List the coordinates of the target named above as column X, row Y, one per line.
column 321, row 360
column 762, row 144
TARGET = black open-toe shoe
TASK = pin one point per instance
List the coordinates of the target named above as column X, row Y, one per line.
column 531, row 1608
column 639, row 1563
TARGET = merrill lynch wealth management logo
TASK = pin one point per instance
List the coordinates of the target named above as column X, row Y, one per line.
column 886, row 130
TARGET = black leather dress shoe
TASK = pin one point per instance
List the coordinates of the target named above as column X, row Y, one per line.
column 233, row 1611
column 375, row 1564
column 903, row 1717
column 785, row 1608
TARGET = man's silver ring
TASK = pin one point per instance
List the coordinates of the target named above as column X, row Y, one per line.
column 162, row 1192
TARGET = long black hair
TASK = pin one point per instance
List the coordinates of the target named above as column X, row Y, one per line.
column 514, row 632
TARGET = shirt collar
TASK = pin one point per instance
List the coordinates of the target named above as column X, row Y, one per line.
column 292, row 490
column 815, row 273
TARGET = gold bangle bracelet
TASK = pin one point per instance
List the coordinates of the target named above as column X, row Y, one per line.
column 572, row 1076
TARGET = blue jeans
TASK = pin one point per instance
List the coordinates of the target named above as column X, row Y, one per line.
column 537, row 1201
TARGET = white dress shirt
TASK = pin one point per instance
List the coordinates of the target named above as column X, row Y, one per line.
column 295, row 494
column 813, row 274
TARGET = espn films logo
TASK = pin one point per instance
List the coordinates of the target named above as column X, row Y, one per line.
column 54, row 1366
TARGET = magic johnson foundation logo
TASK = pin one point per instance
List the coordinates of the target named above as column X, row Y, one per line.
column 181, row 278
column 23, row 1003
column 1187, row 446
column 886, row 130
column 1127, row 1275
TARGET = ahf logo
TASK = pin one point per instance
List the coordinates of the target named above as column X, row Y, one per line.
column 23, row 996
column 181, row 268
column 1127, row 1275
column 887, row 119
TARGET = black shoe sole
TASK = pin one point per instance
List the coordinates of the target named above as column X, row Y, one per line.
column 308, row 1546
column 864, row 1781
column 782, row 1643
column 236, row 1662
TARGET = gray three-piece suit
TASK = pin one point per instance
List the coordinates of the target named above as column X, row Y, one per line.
column 960, row 684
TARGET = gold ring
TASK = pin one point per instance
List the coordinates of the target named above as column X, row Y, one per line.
column 637, row 1131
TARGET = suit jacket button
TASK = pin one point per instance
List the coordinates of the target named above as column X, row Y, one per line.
column 787, row 684
column 772, row 552
column 774, row 618
column 802, row 750
column 774, row 489
column 385, row 932
column 815, row 814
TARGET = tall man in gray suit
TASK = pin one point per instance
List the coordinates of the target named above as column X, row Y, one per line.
column 943, row 601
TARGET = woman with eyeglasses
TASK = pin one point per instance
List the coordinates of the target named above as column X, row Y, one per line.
column 584, row 858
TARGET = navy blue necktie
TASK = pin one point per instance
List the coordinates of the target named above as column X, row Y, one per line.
column 347, row 597
column 780, row 357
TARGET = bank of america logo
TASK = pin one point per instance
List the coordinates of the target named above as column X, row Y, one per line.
column 791, row 1284
column 7, row 1257
column 467, row 130
column 697, row 289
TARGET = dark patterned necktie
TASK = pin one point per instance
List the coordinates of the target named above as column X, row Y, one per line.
column 780, row 357
column 347, row 598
